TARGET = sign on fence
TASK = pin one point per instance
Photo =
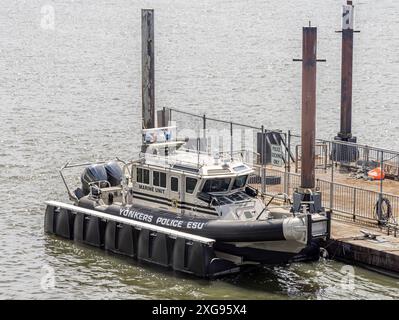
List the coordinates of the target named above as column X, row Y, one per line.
column 276, row 155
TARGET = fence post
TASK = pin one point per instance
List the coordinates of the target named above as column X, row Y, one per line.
column 262, row 160
column 198, row 151
column 332, row 188
column 204, row 124
column 289, row 161
column 396, row 166
column 354, row 204
column 325, row 156
column 289, row 150
column 382, row 170
column 231, row 141
column 381, row 184
column 164, row 124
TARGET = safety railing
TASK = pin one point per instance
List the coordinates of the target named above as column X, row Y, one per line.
column 276, row 177
column 347, row 202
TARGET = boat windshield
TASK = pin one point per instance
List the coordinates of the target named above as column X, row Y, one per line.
column 240, row 181
column 216, row 185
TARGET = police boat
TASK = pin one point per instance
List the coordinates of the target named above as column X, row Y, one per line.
column 181, row 208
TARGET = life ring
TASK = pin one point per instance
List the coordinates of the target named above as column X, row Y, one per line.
column 384, row 214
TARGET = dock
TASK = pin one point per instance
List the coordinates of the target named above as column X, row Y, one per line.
column 365, row 247
column 298, row 169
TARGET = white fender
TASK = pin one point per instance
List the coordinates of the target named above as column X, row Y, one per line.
column 295, row 228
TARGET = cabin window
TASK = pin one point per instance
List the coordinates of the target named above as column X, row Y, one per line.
column 143, row 175
column 174, row 184
column 216, row 185
column 190, row 184
column 159, row 179
column 240, row 182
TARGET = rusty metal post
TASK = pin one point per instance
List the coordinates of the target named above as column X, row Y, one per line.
column 346, row 153
column 147, row 63
column 346, row 72
column 308, row 125
column 306, row 193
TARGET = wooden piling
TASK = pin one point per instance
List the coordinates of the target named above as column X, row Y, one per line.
column 147, row 55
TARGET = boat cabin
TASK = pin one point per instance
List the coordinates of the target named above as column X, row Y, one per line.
column 186, row 181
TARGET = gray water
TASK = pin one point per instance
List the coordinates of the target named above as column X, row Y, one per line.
column 73, row 93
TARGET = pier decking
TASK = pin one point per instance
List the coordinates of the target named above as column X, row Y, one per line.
column 351, row 243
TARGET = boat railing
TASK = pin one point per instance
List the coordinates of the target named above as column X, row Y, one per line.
column 170, row 160
column 245, row 156
column 242, row 155
column 96, row 186
column 68, row 165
